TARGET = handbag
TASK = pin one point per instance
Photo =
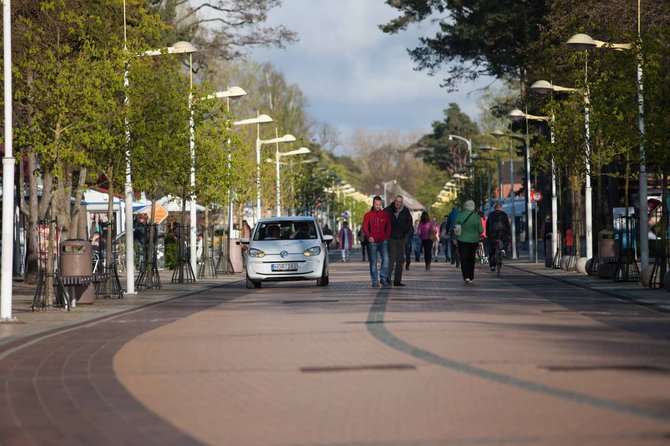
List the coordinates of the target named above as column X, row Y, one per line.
column 459, row 228
column 433, row 234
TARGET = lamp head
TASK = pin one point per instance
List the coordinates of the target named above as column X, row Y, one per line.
column 498, row 133
column 542, row 87
column 183, row 47
column 516, row 115
column 581, row 42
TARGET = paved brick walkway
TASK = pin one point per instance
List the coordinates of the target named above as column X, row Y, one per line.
column 510, row 360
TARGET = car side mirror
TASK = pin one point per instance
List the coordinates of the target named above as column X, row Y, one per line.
column 245, row 240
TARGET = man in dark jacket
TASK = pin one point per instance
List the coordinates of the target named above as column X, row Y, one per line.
column 497, row 228
column 401, row 229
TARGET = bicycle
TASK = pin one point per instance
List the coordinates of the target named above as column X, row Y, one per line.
column 480, row 255
column 499, row 254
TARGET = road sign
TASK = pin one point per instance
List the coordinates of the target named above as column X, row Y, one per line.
column 536, row 196
column 345, row 214
column 161, row 214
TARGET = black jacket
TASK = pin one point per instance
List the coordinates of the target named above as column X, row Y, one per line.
column 402, row 225
column 497, row 225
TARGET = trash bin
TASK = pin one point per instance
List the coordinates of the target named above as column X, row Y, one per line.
column 76, row 266
column 236, row 259
column 548, row 255
column 606, row 244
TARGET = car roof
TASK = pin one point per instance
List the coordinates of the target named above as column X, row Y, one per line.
column 292, row 218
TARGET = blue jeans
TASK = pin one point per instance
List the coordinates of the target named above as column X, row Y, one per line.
column 383, row 249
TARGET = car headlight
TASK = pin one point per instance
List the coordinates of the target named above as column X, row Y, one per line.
column 313, row 251
column 253, row 252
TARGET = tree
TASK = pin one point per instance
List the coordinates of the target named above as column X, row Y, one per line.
column 438, row 150
column 223, row 29
column 476, row 37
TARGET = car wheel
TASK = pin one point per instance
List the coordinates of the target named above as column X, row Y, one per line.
column 323, row 280
column 251, row 284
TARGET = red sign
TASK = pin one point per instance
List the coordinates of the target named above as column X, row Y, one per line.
column 536, row 196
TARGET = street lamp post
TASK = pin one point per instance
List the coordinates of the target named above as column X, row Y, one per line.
column 385, row 184
column 258, row 120
column 278, row 155
column 259, row 143
column 177, row 48
column 583, row 42
column 469, row 144
column 544, row 87
column 7, row 173
column 231, row 92
column 500, row 134
column 529, row 205
column 518, row 114
column 499, row 162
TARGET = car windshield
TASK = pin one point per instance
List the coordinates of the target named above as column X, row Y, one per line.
column 286, row 230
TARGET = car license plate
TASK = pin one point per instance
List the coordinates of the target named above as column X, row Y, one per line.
column 284, row 267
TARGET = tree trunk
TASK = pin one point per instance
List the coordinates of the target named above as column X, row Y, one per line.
column 32, row 209
column 110, row 223
column 75, row 225
column 663, row 250
column 149, row 259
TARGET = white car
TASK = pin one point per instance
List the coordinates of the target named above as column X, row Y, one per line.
column 287, row 248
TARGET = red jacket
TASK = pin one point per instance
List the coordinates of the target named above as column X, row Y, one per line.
column 377, row 224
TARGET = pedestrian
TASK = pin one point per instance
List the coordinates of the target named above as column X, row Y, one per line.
column 408, row 249
column 444, row 237
column 467, row 229
column 345, row 239
column 363, row 241
column 401, row 230
column 416, row 241
column 427, row 235
column 377, row 227
column 453, row 245
column 436, row 241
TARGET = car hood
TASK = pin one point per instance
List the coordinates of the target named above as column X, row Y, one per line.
column 291, row 246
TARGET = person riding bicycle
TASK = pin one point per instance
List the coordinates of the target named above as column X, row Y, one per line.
column 497, row 228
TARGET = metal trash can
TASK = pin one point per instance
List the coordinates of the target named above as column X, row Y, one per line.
column 606, row 244
column 548, row 255
column 236, row 259
column 76, row 267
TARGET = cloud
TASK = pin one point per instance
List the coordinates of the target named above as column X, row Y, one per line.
column 354, row 75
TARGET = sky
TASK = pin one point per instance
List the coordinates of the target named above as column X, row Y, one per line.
column 354, row 75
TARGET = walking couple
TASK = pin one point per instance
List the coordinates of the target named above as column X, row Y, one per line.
column 386, row 231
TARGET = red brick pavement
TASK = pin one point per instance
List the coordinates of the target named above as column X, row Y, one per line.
column 437, row 362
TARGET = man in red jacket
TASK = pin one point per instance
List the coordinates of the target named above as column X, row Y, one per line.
column 377, row 228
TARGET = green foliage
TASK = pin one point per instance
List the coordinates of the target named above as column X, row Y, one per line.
column 476, row 37
column 158, row 119
column 436, row 148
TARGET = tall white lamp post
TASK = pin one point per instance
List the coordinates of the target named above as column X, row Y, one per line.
column 545, row 87
column 231, row 92
column 177, row 48
column 386, row 183
column 518, row 114
column 7, row 172
column 259, row 143
column 278, row 155
column 584, row 42
column 500, row 134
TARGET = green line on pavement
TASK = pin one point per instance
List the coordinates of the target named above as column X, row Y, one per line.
column 377, row 328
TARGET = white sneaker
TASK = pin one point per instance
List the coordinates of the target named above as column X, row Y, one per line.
column 468, row 280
